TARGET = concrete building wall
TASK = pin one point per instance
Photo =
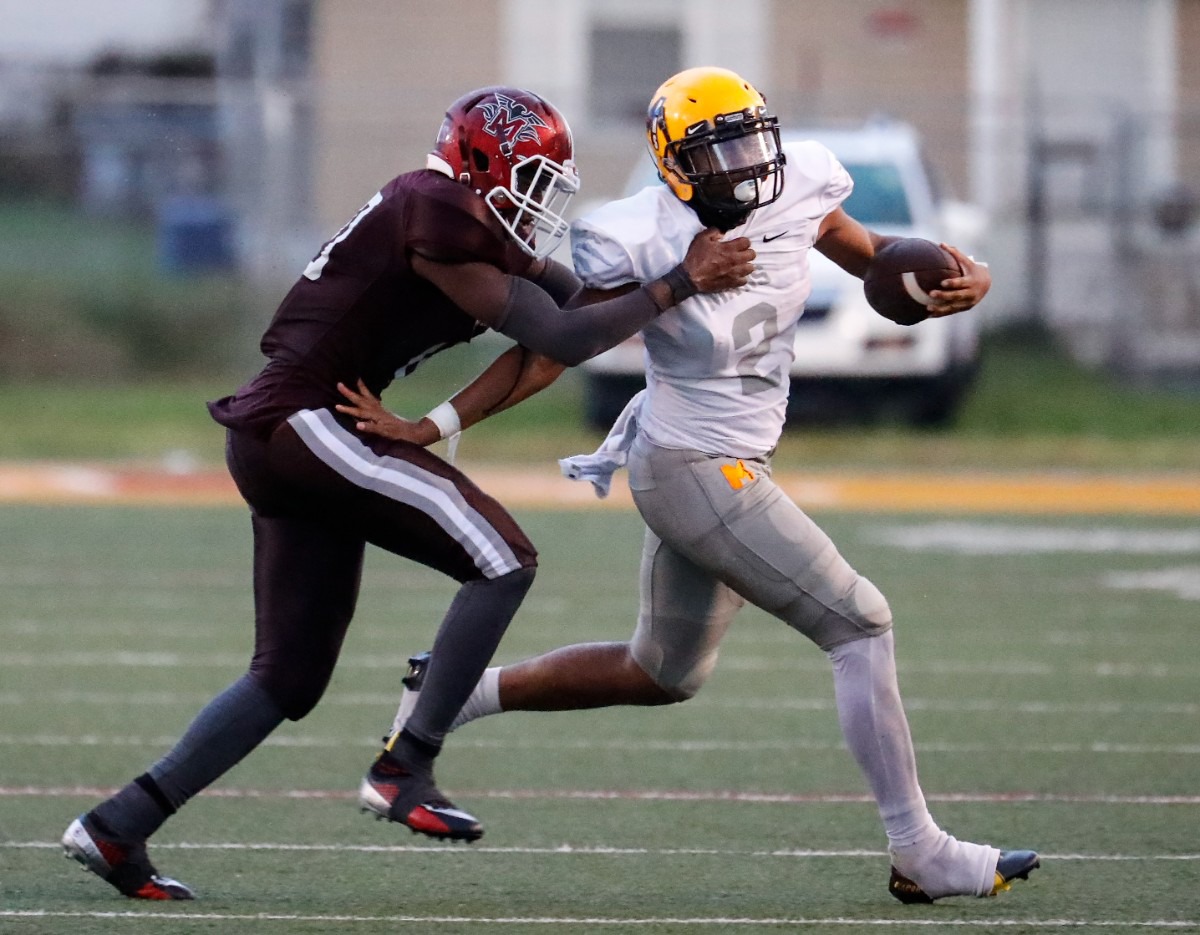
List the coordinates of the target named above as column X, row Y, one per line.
column 838, row 61
column 1187, row 75
column 384, row 72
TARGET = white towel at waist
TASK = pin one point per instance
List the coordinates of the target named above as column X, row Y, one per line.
column 610, row 457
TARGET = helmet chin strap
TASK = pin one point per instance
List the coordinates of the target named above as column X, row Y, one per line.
column 722, row 219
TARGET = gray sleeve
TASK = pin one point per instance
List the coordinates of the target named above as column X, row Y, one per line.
column 572, row 336
column 559, row 280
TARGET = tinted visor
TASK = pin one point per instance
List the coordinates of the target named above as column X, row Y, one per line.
column 736, row 154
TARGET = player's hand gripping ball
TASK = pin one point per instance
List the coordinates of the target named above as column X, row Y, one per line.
column 901, row 275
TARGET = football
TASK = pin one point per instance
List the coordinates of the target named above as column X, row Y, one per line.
column 901, row 275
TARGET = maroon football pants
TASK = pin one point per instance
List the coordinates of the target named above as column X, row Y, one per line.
column 319, row 492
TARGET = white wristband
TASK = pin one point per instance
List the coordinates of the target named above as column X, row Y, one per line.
column 445, row 417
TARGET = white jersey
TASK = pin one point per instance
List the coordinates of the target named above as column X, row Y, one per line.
column 717, row 365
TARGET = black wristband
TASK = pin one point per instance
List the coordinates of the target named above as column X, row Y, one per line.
column 681, row 284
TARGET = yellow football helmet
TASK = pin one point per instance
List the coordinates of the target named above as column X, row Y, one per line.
column 713, row 141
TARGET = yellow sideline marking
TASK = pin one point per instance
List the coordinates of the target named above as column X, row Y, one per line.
column 1017, row 493
column 1175, row 494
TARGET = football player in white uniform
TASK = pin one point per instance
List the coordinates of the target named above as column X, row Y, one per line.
column 697, row 444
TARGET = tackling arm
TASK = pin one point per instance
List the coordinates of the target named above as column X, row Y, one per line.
column 512, row 377
column 529, row 315
column 558, row 280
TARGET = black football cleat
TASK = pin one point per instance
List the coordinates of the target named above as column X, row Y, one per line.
column 1012, row 865
column 123, row 864
column 390, row 790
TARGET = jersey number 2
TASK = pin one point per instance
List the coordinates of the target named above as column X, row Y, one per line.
column 761, row 314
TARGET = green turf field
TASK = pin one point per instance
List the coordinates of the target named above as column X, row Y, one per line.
column 1050, row 669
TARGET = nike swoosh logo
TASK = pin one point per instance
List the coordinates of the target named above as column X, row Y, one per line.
column 776, row 237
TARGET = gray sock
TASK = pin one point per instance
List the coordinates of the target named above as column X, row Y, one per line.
column 465, row 644
column 226, row 729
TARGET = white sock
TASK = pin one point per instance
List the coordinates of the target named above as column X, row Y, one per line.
column 876, row 731
column 945, row 866
column 484, row 699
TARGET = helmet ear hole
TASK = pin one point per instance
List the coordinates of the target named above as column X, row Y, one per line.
column 480, row 159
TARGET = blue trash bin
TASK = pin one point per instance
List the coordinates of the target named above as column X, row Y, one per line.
column 195, row 234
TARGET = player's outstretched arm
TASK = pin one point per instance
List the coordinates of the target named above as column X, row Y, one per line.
column 527, row 314
column 512, row 377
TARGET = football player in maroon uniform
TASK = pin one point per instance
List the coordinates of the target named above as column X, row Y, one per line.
column 435, row 258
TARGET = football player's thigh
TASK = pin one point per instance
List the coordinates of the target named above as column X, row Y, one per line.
column 748, row 533
column 683, row 614
column 407, row 500
column 306, row 580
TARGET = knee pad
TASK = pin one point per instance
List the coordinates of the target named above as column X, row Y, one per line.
column 871, row 607
column 860, row 611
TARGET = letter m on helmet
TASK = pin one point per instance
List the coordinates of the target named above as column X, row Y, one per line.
column 511, row 122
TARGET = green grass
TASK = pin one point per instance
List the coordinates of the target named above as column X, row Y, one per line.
column 1031, row 408
column 1024, row 674
column 83, row 298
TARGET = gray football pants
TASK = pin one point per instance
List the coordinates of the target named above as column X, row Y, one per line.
column 719, row 533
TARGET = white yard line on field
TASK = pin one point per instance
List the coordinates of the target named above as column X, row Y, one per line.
column 573, row 923
column 1023, row 668
column 786, row 706
column 569, row 850
column 304, row 741
column 647, row 795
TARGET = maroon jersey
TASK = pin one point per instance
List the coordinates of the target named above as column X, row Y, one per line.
column 359, row 311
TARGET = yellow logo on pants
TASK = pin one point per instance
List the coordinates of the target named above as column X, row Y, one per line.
column 737, row 474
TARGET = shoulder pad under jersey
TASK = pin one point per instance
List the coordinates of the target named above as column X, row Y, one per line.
column 814, row 175
column 634, row 239
column 449, row 223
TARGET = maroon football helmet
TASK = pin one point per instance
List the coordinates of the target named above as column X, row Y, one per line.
column 515, row 149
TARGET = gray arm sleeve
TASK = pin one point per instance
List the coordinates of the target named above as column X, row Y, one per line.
column 560, row 281
column 572, row 336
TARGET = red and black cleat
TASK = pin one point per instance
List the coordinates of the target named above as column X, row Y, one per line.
column 121, row 863
column 391, row 791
